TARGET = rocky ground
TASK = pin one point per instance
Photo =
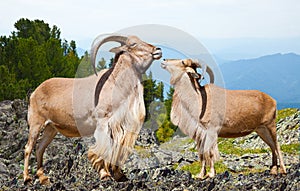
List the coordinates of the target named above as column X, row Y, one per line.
column 151, row 166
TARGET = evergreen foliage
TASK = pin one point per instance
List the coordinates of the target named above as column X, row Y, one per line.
column 32, row 54
column 158, row 108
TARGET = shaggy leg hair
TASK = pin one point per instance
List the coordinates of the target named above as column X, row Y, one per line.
column 208, row 152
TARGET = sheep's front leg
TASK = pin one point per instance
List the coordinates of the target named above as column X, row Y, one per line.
column 99, row 164
column 202, row 173
column 212, row 171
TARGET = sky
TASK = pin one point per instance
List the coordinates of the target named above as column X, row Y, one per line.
column 230, row 29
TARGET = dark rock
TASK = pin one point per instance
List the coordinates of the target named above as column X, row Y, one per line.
column 146, row 138
column 66, row 163
column 20, row 108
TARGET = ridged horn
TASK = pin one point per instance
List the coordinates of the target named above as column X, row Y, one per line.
column 211, row 75
column 95, row 47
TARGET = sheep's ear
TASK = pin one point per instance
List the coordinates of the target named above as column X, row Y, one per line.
column 119, row 49
column 192, row 72
column 195, row 75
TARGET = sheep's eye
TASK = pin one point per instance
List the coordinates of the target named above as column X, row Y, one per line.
column 182, row 62
column 133, row 44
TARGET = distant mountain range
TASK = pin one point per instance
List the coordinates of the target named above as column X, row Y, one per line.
column 277, row 74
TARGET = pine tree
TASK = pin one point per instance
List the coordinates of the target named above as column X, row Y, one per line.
column 32, row 54
column 149, row 92
column 159, row 91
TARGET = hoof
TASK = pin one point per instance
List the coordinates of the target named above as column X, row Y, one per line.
column 121, row 179
column 44, row 180
column 210, row 175
column 119, row 176
column 27, row 180
column 273, row 170
column 106, row 178
column 201, row 176
column 282, row 171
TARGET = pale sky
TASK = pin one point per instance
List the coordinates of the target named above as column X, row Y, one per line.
column 82, row 21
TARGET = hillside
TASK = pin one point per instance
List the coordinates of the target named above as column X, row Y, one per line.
column 244, row 163
column 277, row 75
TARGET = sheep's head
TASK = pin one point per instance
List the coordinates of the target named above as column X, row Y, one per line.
column 141, row 52
column 178, row 67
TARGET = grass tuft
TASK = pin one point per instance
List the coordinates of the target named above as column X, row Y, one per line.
column 142, row 152
column 226, row 146
column 291, row 148
column 194, row 168
column 283, row 113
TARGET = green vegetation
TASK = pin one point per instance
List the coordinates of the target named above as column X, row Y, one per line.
column 166, row 129
column 32, row 54
column 194, row 168
column 142, row 152
column 281, row 114
column 291, row 148
column 158, row 108
column 226, row 146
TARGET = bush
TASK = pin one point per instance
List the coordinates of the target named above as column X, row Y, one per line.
column 165, row 132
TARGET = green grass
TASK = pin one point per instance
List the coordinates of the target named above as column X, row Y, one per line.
column 142, row 152
column 281, row 114
column 291, row 148
column 226, row 146
column 247, row 171
column 195, row 167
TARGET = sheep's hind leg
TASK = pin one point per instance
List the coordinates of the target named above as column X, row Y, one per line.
column 272, row 129
column 49, row 134
column 34, row 131
column 268, row 135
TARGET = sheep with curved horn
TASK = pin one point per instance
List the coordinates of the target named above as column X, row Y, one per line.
column 206, row 112
column 109, row 105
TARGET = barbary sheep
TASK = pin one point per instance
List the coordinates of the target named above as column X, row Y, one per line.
column 206, row 112
column 109, row 105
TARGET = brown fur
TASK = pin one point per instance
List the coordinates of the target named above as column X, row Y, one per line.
column 228, row 113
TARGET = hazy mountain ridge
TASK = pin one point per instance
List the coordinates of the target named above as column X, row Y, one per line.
column 277, row 75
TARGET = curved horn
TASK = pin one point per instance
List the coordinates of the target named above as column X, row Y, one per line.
column 211, row 74
column 95, row 46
